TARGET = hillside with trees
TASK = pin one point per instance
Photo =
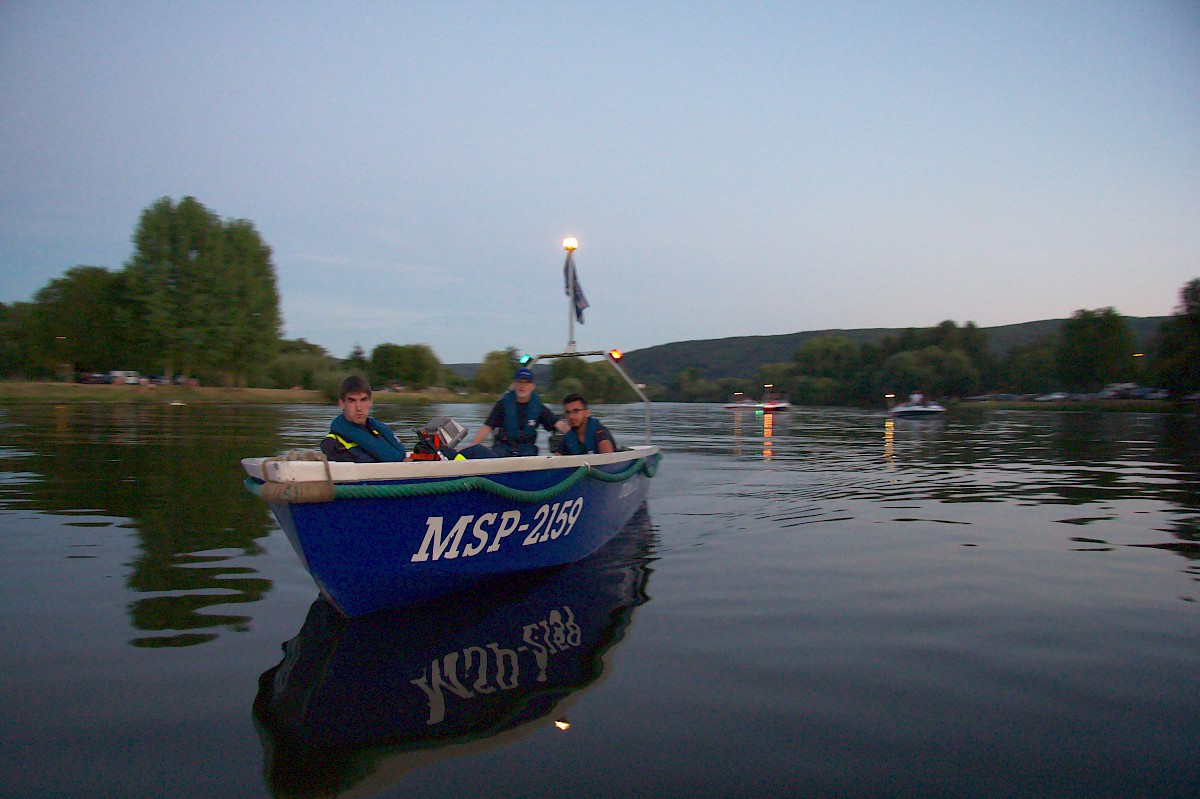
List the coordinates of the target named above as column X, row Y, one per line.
column 743, row 356
column 1092, row 349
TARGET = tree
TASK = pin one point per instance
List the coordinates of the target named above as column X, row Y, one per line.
column 78, row 321
column 205, row 291
column 1176, row 359
column 290, row 346
column 357, row 359
column 690, row 385
column 300, row 363
column 1095, row 348
column 411, row 365
column 596, row 380
column 244, row 322
column 828, row 356
column 603, row 383
column 903, row 373
column 954, row 372
column 828, row 370
column 17, row 323
column 1033, row 367
column 497, row 370
column 563, row 370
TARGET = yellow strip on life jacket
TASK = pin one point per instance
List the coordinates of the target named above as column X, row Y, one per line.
column 346, row 444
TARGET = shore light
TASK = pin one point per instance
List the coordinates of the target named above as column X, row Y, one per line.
column 570, row 243
column 562, row 724
column 616, row 354
column 524, row 359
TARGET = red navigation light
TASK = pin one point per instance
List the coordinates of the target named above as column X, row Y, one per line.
column 616, row 355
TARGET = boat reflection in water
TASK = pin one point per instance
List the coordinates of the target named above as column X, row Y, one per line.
column 356, row 703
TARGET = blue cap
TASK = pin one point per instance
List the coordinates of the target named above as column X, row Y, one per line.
column 524, row 374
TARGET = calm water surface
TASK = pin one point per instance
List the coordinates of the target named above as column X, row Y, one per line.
column 819, row 603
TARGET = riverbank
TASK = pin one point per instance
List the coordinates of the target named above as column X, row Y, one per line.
column 18, row 391
column 22, row 391
column 1117, row 406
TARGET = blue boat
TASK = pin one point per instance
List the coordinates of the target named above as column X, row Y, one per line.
column 385, row 535
column 355, row 704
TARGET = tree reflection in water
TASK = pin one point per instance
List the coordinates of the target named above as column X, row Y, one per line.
column 166, row 473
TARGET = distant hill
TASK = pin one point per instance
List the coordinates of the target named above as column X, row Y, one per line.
column 741, row 356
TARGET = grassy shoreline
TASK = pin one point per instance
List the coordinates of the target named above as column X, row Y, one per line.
column 22, row 391
column 16, row 391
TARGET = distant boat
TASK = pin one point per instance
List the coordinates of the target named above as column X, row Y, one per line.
column 917, row 407
column 770, row 403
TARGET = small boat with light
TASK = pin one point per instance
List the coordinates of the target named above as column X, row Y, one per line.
column 770, row 403
column 917, row 407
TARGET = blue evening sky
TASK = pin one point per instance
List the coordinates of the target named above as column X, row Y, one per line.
column 729, row 168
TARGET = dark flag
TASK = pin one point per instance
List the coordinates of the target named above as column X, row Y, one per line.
column 569, row 279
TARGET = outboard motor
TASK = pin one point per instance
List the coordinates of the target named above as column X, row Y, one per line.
column 437, row 439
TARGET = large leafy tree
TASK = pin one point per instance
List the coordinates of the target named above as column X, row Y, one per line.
column 245, row 323
column 411, row 365
column 828, row 371
column 81, row 317
column 205, row 290
column 1033, row 367
column 1095, row 348
column 1176, row 362
column 18, row 342
column 828, row 356
column 496, row 371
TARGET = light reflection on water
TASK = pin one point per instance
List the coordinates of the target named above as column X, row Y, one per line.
column 994, row 603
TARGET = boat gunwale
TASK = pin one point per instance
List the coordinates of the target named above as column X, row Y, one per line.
column 276, row 470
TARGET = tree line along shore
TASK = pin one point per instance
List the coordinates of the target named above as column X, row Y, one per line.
column 198, row 301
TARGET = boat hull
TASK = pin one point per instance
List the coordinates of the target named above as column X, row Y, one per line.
column 922, row 412
column 369, row 553
column 765, row 407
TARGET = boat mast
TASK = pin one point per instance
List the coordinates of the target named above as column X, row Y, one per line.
column 570, row 244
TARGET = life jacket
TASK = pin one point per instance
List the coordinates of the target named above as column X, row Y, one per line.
column 513, row 431
column 571, row 444
column 377, row 438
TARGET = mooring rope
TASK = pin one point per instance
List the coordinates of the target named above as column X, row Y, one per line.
column 295, row 492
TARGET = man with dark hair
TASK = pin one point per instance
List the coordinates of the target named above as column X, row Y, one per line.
column 515, row 418
column 586, row 434
column 355, row 437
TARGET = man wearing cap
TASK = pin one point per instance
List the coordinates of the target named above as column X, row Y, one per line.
column 515, row 419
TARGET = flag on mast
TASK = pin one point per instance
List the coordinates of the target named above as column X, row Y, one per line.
column 572, row 288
